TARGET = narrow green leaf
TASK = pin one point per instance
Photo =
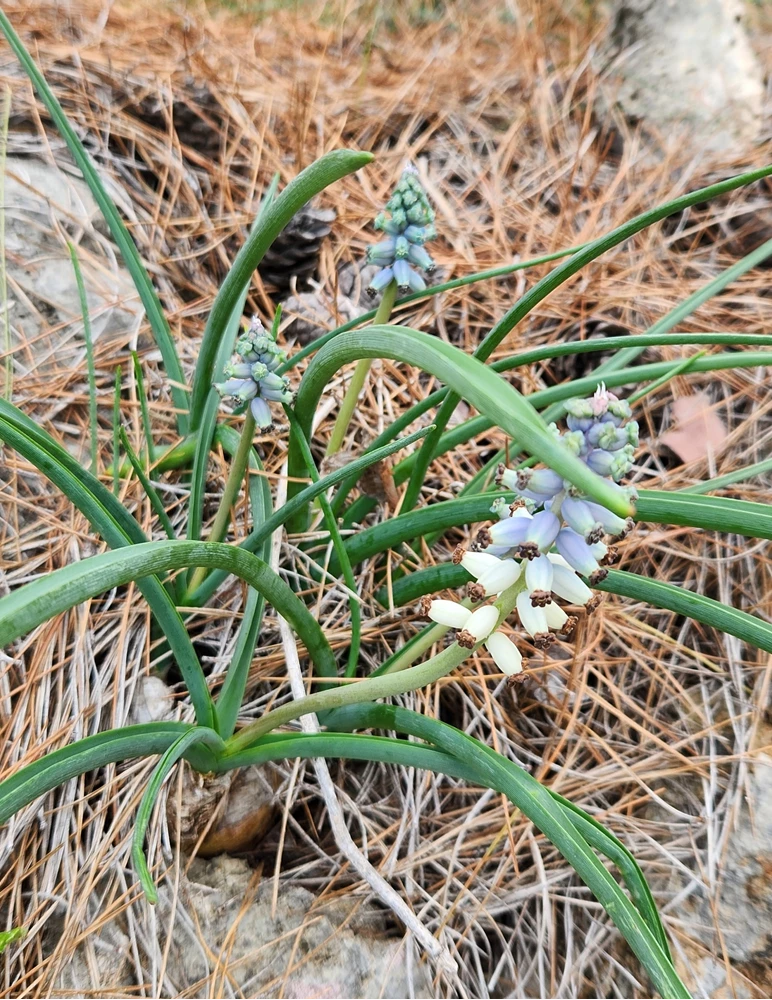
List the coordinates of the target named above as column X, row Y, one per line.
column 475, row 426
column 750, row 629
column 730, row 478
column 467, row 758
column 231, row 694
column 36, row 602
column 211, row 405
column 338, row 546
column 557, row 277
column 263, row 531
column 392, row 718
column 483, row 388
column 147, row 427
column 55, row 767
column 170, row 757
column 92, row 400
column 129, row 252
column 114, row 523
column 319, row 175
column 150, row 491
column 117, row 432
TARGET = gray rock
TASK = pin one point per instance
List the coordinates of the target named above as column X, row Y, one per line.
column 299, row 950
column 44, row 208
column 685, row 67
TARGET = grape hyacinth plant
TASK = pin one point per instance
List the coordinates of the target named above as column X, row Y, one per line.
column 544, row 555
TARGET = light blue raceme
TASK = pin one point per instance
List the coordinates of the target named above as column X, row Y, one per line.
column 409, row 225
column 253, row 378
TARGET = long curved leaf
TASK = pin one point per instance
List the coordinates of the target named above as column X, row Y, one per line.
column 114, row 523
column 750, row 629
column 525, row 792
column 319, row 175
column 36, row 602
column 263, row 531
column 56, row 767
column 492, row 395
column 543, row 398
column 557, row 277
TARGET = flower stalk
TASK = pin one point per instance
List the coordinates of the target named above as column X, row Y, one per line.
column 361, row 371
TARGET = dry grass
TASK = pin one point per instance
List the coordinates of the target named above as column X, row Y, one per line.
column 646, row 720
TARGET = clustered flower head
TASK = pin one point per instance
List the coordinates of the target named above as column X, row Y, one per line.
column 253, row 378
column 409, row 225
column 549, row 538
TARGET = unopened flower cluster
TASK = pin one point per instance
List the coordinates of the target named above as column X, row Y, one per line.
column 548, row 539
column 409, row 225
column 253, row 378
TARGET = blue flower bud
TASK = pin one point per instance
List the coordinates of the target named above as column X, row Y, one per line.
column 417, row 255
column 600, row 461
column 380, row 280
column 261, row 413
column 578, row 555
column 542, row 482
column 381, row 253
column 239, row 370
column 231, row 387
column 543, row 528
column 402, row 273
column 578, row 515
column 510, row 531
column 417, row 283
column 613, row 525
column 575, row 442
column 401, row 248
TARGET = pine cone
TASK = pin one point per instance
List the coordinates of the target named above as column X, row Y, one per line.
column 295, row 252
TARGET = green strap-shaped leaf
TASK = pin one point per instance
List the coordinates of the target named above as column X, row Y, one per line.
column 750, row 629
column 259, row 534
column 181, row 746
column 319, row 175
column 36, row 602
column 465, row 757
column 492, row 395
column 660, row 506
column 553, row 280
column 232, row 693
column 118, row 528
column 142, row 282
column 56, row 767
column 543, row 398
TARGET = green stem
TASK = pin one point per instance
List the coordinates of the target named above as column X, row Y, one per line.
column 360, row 374
column 371, row 689
column 232, row 487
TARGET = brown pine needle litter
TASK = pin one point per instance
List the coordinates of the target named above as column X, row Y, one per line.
column 650, row 722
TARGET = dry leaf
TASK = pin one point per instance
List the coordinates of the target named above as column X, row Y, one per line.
column 698, row 430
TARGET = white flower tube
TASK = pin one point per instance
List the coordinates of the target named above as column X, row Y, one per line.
column 500, row 577
column 556, row 616
column 482, row 622
column 478, row 563
column 449, row 613
column 533, row 620
column 566, row 584
column 505, row 653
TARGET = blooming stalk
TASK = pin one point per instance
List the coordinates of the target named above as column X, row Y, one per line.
column 544, row 545
column 408, row 224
